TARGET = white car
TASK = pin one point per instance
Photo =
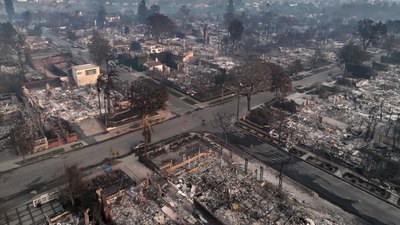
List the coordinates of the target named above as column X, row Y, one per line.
column 136, row 145
column 300, row 88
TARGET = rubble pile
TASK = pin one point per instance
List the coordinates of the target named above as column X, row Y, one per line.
column 238, row 198
column 187, row 191
column 7, row 108
column 154, row 201
column 144, row 204
column 5, row 138
column 37, row 43
column 115, row 178
column 71, row 104
column 5, row 129
column 193, row 79
column 322, row 126
column 10, row 115
column 8, row 69
column 384, row 88
column 132, row 208
column 350, row 118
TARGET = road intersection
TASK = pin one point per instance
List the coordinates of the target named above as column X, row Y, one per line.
column 35, row 176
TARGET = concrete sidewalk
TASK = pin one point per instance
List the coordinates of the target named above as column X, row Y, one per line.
column 162, row 116
column 339, row 171
column 31, row 158
column 55, row 152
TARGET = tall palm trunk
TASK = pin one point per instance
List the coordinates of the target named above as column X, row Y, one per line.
column 109, row 104
column 107, row 66
column 21, row 66
column 99, row 100
column 71, row 198
column 105, row 110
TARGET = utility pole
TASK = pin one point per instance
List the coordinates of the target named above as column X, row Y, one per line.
column 280, row 186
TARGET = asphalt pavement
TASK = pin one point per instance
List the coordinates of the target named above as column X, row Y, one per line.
column 63, row 43
column 349, row 198
column 338, row 192
column 346, row 196
column 31, row 176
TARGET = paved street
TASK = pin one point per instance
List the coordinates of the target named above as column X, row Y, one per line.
column 333, row 189
column 177, row 106
column 83, row 53
column 35, row 176
column 29, row 176
column 320, row 77
column 329, row 187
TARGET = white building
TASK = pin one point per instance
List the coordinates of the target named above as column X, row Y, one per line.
column 85, row 74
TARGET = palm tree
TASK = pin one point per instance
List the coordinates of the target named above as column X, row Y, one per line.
column 284, row 84
column 100, row 86
column 220, row 81
column 147, row 130
column 109, row 87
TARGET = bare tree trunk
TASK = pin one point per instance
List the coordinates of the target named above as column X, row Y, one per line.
column 105, row 111
column 395, row 130
column 107, row 66
column 18, row 150
column 280, row 127
column 98, row 98
column 237, row 109
column 109, row 104
column 71, row 198
column 21, row 66
column 280, row 178
column 248, row 101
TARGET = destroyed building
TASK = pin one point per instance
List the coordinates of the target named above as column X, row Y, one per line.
column 15, row 117
column 349, row 119
column 69, row 103
column 194, row 184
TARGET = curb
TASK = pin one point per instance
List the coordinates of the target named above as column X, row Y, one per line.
column 77, row 149
column 356, row 186
column 257, row 135
column 343, row 206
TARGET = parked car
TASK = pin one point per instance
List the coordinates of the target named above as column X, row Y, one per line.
column 300, row 88
column 136, row 145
